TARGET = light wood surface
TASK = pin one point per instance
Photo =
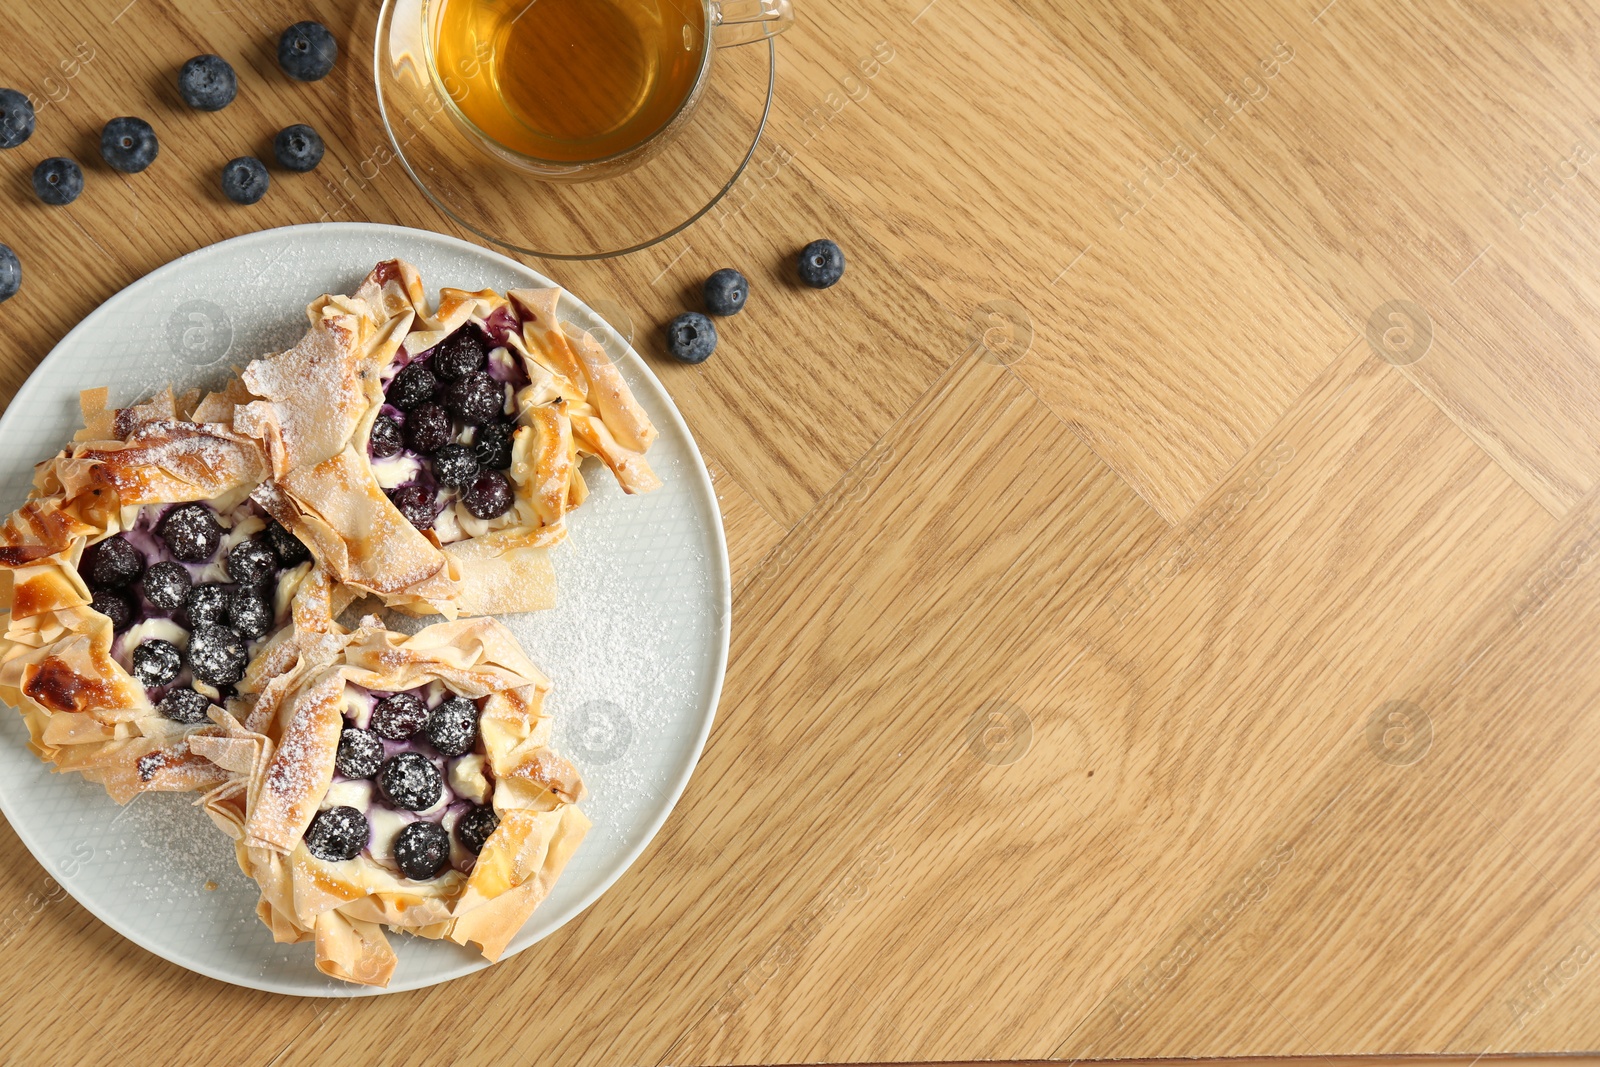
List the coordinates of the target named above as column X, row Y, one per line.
column 1130, row 658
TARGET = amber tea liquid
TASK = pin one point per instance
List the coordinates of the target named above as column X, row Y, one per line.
column 570, row 81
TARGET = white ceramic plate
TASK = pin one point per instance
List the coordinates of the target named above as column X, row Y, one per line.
column 635, row 649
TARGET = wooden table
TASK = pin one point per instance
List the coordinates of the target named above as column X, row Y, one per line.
column 1166, row 620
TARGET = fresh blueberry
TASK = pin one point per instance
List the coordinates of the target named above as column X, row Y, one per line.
column 10, row 273
column 113, row 563
column 58, row 181
column 428, row 428
column 290, row 550
column 413, row 385
column 251, row 561
column 421, row 850
column 476, row 398
column 473, row 828
column 16, row 118
column 490, row 496
column 417, row 504
column 459, row 354
column 207, row 83
column 691, row 337
column 491, row 443
column 453, row 726
column 821, row 264
column 217, row 655
column 156, row 662
column 337, row 834
column 455, row 466
column 185, row 706
column 298, row 147
column 114, row 606
column 399, row 716
column 250, row 614
column 128, row 144
column 245, row 180
column 206, row 604
column 190, row 533
column 726, row 291
column 307, row 51
column 166, row 585
column 410, row 780
column 360, row 753
column 385, row 439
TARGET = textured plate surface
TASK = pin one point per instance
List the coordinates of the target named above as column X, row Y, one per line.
column 635, row 648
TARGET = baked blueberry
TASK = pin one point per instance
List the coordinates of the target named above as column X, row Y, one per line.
column 114, row 606
column 250, row 613
column 16, row 118
column 476, row 398
column 417, row 503
column 413, row 385
column 428, row 428
column 128, row 144
column 455, row 466
column 337, row 834
column 113, row 563
column 821, row 263
column 459, row 354
column 156, row 662
column 691, row 338
column 385, row 440
column 491, row 443
column 217, row 655
column 207, row 83
column 410, row 780
column 421, row 850
column 10, row 273
column 185, row 706
column 453, row 726
column 307, row 51
column 190, row 533
column 298, row 148
column 245, row 180
column 206, row 604
column 473, row 828
column 57, row 181
column 166, row 585
column 290, row 550
column 398, row 717
column 251, row 561
column 360, row 753
column 726, row 291
column 489, row 496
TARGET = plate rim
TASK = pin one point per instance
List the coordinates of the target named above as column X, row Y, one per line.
column 720, row 573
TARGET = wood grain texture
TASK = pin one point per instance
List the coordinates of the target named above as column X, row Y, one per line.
column 1132, row 658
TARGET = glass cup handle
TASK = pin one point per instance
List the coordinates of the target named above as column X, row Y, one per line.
column 748, row 21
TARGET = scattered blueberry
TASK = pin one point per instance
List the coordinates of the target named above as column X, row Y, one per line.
column 113, row 563
column 490, row 496
column 128, row 144
column 166, row 585
column 385, row 440
column 417, row 504
column 337, row 834
column 428, row 428
column 453, row 726
column 16, row 118
column 185, row 706
column 359, row 755
column 410, row 781
column 455, row 466
column 217, row 655
column 821, row 264
column 58, row 181
column 459, row 354
column 421, row 850
column 190, row 532
column 492, row 445
column 399, row 716
column 691, row 337
column 726, row 291
column 476, row 398
column 251, row 561
column 156, row 662
column 10, row 273
column 207, row 83
column 250, row 614
column 413, row 385
column 298, row 147
column 473, row 828
column 206, row 604
column 245, row 180
column 114, row 606
column 307, row 51
column 290, row 550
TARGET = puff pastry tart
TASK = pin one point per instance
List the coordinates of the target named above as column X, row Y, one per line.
column 408, row 784
column 143, row 589
column 431, row 456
